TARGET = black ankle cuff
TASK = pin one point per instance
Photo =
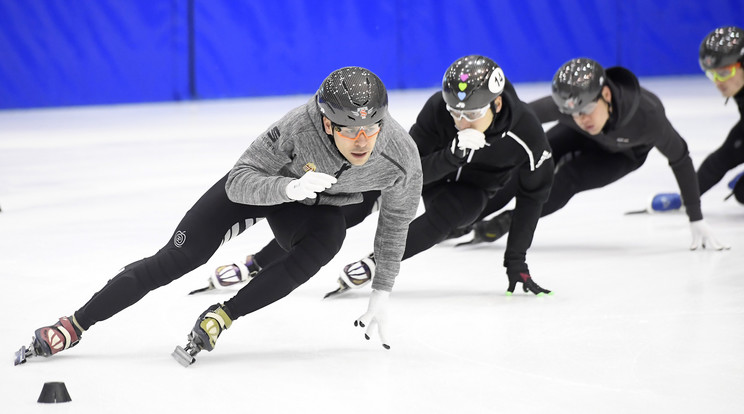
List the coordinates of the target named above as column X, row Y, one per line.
column 227, row 311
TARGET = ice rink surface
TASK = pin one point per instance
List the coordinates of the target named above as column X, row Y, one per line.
column 638, row 323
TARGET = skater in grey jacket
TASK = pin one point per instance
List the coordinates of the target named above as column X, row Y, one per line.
column 298, row 174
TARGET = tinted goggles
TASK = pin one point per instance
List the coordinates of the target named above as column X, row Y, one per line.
column 585, row 110
column 353, row 133
column 723, row 74
column 471, row 115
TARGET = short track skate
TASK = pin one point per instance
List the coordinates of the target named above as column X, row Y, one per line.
column 49, row 340
column 354, row 276
column 229, row 275
column 187, row 355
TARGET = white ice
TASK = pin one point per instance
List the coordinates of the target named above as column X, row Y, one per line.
column 638, row 323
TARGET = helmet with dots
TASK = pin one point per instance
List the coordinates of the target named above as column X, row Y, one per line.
column 472, row 82
column 722, row 47
column 353, row 96
column 577, row 83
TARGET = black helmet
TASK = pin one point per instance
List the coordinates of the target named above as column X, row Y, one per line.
column 353, row 96
column 722, row 47
column 577, row 83
column 472, row 82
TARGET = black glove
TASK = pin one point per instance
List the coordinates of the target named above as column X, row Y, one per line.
column 528, row 284
column 460, row 154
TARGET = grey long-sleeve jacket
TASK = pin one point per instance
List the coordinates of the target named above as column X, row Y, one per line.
column 283, row 151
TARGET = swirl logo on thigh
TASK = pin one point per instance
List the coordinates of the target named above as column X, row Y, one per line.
column 180, row 238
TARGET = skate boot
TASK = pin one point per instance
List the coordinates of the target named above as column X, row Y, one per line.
column 204, row 336
column 355, row 275
column 661, row 203
column 736, row 185
column 735, row 180
column 490, row 230
column 231, row 274
column 50, row 340
column 457, row 233
column 665, row 202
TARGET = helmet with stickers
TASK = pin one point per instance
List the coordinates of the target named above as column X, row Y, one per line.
column 353, row 96
column 577, row 83
column 722, row 47
column 472, row 82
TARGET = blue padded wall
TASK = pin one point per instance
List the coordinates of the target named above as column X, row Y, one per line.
column 529, row 39
column 83, row 52
column 288, row 47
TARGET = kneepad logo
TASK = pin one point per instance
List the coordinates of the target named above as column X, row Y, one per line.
column 180, row 238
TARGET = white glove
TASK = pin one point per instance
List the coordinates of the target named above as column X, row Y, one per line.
column 376, row 315
column 702, row 236
column 309, row 184
column 470, row 139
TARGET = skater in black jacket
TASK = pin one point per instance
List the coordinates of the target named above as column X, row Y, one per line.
column 607, row 125
column 722, row 57
column 473, row 137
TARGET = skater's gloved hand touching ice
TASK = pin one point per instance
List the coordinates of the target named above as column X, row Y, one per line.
column 702, row 236
column 528, row 284
column 376, row 315
column 309, row 185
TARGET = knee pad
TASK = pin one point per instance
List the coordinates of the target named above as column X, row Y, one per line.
column 332, row 227
column 312, row 253
column 448, row 212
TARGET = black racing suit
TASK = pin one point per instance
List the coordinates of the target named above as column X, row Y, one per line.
column 456, row 190
column 583, row 162
column 727, row 157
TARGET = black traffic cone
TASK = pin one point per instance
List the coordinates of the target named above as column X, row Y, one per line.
column 54, row 392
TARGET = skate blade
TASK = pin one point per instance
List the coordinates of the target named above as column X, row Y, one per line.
column 183, row 356
column 340, row 290
column 470, row 242
column 22, row 355
column 210, row 286
column 204, row 289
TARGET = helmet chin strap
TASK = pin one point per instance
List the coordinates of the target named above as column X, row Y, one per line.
column 330, row 136
column 497, row 115
column 610, row 118
column 332, row 139
column 609, row 104
column 493, row 110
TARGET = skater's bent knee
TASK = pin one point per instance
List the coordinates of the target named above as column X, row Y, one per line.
column 166, row 266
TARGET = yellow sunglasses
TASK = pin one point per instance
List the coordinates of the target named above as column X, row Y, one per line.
column 723, row 74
